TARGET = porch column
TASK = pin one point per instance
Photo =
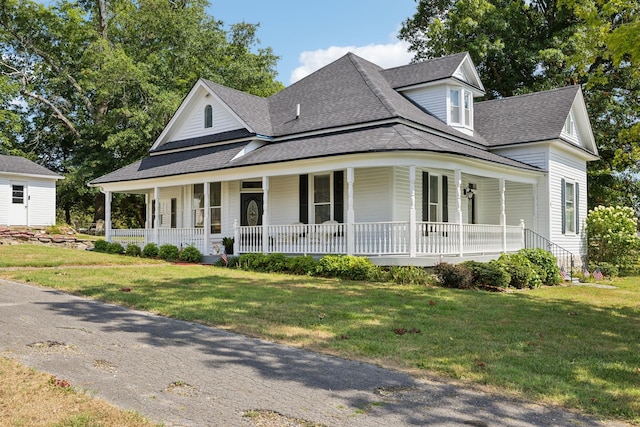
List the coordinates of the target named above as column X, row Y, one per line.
column 207, row 218
column 265, row 214
column 107, row 216
column 457, row 175
column 351, row 215
column 156, row 220
column 147, row 203
column 503, row 214
column 412, row 212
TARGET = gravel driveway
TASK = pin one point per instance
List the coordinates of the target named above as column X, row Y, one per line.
column 184, row 374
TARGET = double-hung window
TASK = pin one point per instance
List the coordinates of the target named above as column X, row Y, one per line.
column 208, row 116
column 570, row 194
column 322, row 198
column 460, row 107
column 215, row 206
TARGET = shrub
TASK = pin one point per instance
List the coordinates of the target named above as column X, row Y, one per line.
column 133, row 250
column 612, row 236
column 150, row 250
column 253, row 262
column 453, row 275
column 488, row 274
column 276, row 263
column 301, row 265
column 607, row 269
column 190, row 254
column 523, row 274
column 168, row 252
column 115, row 248
column 100, row 245
column 344, row 267
column 409, row 275
column 545, row 265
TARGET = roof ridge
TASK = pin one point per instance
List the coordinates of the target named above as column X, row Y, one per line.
column 386, row 102
column 556, row 89
column 441, row 58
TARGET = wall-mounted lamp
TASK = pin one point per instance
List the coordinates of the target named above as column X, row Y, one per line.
column 469, row 190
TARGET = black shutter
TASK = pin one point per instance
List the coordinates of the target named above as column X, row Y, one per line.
column 304, row 199
column 338, row 196
column 425, row 196
column 562, row 205
column 445, row 199
column 576, row 209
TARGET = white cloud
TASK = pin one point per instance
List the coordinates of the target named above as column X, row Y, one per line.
column 385, row 55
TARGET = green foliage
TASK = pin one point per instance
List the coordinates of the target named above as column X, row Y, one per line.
column 190, row 254
column 150, row 250
column 100, row 245
column 545, row 265
column 168, row 252
column 344, row 267
column 488, row 274
column 302, row 265
column 409, row 275
column 612, row 236
column 115, row 248
column 523, row 273
column 253, row 262
column 607, row 269
column 453, row 275
column 133, row 250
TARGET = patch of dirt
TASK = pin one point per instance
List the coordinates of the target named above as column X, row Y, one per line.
column 105, row 365
column 265, row 418
column 180, row 388
column 51, row 346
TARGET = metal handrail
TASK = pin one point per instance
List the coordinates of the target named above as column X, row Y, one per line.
column 564, row 258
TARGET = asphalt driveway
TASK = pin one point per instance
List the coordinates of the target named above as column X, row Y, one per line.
column 185, row 374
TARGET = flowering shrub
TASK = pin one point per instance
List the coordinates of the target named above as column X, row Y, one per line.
column 612, row 236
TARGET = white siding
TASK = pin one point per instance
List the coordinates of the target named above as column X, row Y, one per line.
column 42, row 202
column 534, row 156
column 563, row 165
column 283, row 200
column 5, row 200
column 401, row 196
column 191, row 122
column 488, row 201
column 432, row 99
column 519, row 203
column 372, row 189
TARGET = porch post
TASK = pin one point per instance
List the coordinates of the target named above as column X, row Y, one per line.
column 107, row 216
column 265, row 214
column 503, row 214
column 236, row 238
column 458, row 183
column 207, row 218
column 412, row 212
column 523, row 238
column 147, row 203
column 351, row 215
column 156, row 220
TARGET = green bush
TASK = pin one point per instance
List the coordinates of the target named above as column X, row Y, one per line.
column 344, row 267
column 100, row 245
column 302, row 265
column 115, row 248
column 545, row 264
column 133, row 250
column 523, row 273
column 607, row 269
column 612, row 236
column 276, row 263
column 409, row 275
column 150, row 250
column 488, row 274
column 253, row 262
column 168, row 252
column 190, row 254
column 453, row 275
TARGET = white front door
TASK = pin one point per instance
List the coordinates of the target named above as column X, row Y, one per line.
column 18, row 203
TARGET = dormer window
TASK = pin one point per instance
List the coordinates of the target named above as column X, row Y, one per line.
column 570, row 125
column 208, row 117
column 460, row 107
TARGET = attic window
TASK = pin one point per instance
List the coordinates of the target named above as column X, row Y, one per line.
column 460, row 107
column 569, row 125
column 208, row 117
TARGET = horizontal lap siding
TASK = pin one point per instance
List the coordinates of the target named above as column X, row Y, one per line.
column 283, row 200
column 5, row 200
column 488, row 201
column 193, row 122
column 372, row 194
column 431, row 99
column 42, row 202
column 519, row 203
column 230, row 206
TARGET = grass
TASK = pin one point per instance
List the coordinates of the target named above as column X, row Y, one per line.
column 31, row 398
column 573, row 346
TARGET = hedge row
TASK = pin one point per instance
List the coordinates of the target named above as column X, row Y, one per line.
column 150, row 250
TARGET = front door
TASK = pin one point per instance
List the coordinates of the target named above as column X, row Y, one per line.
column 18, row 203
column 250, row 209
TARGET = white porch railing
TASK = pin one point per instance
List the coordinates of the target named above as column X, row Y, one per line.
column 293, row 239
column 180, row 237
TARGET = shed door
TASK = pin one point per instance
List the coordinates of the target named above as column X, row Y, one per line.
column 18, row 203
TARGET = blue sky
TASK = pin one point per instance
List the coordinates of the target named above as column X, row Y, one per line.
column 309, row 35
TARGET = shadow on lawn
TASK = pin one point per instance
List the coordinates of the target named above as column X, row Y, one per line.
column 557, row 324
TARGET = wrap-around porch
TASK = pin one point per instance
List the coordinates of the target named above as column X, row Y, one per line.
column 343, row 225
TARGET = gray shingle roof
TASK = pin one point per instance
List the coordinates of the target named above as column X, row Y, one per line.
column 201, row 140
column 423, row 72
column 20, row 165
column 533, row 117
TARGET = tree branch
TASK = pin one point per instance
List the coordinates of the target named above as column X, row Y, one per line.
column 57, row 112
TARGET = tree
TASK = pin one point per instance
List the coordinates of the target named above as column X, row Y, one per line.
column 524, row 46
column 91, row 83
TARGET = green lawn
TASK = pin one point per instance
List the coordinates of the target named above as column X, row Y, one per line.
column 576, row 346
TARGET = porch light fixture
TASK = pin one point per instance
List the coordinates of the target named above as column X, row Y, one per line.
column 469, row 190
